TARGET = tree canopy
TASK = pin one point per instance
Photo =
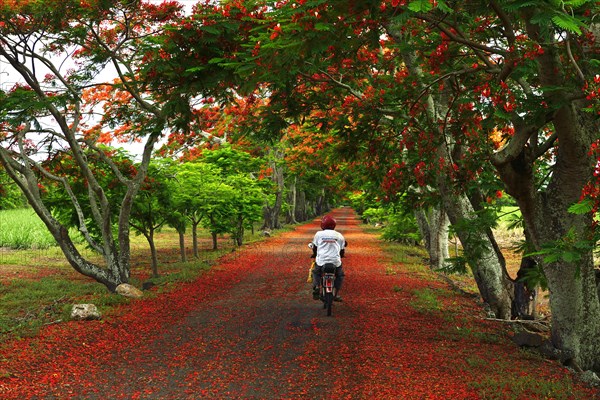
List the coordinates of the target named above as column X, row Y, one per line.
column 428, row 105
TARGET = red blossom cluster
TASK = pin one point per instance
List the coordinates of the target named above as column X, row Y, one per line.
column 591, row 190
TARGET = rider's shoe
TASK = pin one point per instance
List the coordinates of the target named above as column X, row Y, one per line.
column 337, row 298
column 315, row 293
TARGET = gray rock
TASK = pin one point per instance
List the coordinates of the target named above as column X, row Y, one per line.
column 85, row 312
column 127, row 290
column 590, row 378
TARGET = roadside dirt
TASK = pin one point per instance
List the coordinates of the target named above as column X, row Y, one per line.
column 249, row 329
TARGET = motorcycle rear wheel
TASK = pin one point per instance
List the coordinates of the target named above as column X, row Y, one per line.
column 328, row 302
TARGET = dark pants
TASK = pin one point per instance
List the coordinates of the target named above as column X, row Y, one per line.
column 339, row 276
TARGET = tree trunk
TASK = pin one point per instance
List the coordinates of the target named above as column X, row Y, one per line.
column 479, row 246
column 153, row 254
column 574, row 300
column 117, row 262
column 238, row 237
column 291, row 214
column 271, row 214
column 195, row 238
column 489, row 271
column 433, row 224
column 321, row 204
column 182, row 251
column 215, row 244
column 300, row 212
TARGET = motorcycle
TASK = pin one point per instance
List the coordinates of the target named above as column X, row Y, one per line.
column 327, row 288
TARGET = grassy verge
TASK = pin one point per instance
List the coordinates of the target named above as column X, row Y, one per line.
column 22, row 229
column 498, row 378
column 38, row 287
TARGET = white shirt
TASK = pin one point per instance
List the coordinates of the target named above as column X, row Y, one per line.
column 329, row 243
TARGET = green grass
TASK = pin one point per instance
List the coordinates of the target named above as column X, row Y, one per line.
column 505, row 385
column 23, row 229
column 459, row 334
column 38, row 287
column 26, row 305
column 425, row 300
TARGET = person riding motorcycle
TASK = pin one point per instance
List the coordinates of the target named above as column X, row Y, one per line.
column 328, row 247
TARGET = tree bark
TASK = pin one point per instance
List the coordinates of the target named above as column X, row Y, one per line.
column 195, row 239
column 215, row 244
column 153, row 253
column 300, row 212
column 574, row 300
column 292, row 198
column 433, row 224
column 272, row 214
column 488, row 268
column 182, row 251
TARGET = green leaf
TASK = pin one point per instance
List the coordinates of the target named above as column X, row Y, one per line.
column 420, row 6
column 567, row 23
column 210, row 29
column 570, row 257
column 195, row 69
column 518, row 5
column 443, row 6
column 322, row 27
column 594, row 62
column 583, row 207
column 216, row 60
column 575, row 3
column 552, row 258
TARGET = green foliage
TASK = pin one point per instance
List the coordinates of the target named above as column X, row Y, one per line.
column 59, row 201
column 219, row 190
column 10, row 194
column 456, row 265
column 583, row 207
column 570, row 249
column 535, row 277
column 420, row 5
column 374, row 215
column 401, row 227
column 153, row 203
column 247, row 204
column 232, row 161
column 200, row 194
column 472, row 230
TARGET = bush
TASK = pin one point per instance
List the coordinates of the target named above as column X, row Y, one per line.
column 374, row 216
column 402, row 227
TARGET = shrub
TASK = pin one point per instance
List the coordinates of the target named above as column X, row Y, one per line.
column 374, row 215
column 402, row 227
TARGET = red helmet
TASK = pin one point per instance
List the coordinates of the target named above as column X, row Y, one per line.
column 328, row 222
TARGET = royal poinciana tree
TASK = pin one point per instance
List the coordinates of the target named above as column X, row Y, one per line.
column 527, row 69
column 56, row 51
column 351, row 92
column 453, row 74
